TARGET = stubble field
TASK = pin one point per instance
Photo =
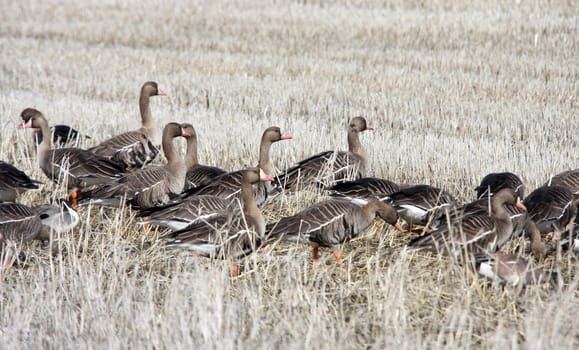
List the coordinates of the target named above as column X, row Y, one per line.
column 455, row 90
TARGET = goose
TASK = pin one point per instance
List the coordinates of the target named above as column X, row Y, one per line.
column 569, row 179
column 359, row 191
column 421, row 205
column 198, row 175
column 56, row 218
column 552, row 208
column 73, row 167
column 476, row 232
column 495, row 182
column 135, row 149
column 148, row 187
column 228, row 185
column 513, row 270
column 330, row 223
column 522, row 223
column 177, row 216
column 18, row 223
column 62, row 136
column 230, row 235
column 13, row 182
column 329, row 167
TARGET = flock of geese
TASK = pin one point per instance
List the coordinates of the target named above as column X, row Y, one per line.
column 216, row 213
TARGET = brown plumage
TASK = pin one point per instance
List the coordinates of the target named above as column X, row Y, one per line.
column 569, row 179
column 134, row 149
column 13, row 182
column 177, row 216
column 330, row 223
column 330, row 167
column 552, row 208
column 422, row 205
column 494, row 182
column 198, row 175
column 18, row 223
column 149, row 187
column 73, row 167
column 230, row 235
column 522, row 223
column 359, row 191
column 476, row 232
column 229, row 185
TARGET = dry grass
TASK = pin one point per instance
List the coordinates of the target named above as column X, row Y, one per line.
column 455, row 89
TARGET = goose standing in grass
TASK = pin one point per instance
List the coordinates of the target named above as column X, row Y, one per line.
column 476, row 232
column 18, row 223
column 422, row 205
column 330, row 167
column 494, row 182
column 359, row 191
column 198, row 175
column 62, row 136
column 135, row 149
column 74, row 167
column 513, row 270
column 229, row 235
column 552, row 208
column 148, row 187
column 13, row 182
column 330, row 223
column 228, row 185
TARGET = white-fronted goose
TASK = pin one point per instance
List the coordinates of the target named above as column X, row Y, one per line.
column 135, row 149
column 62, row 136
column 513, row 270
column 227, row 235
column 330, row 223
column 422, row 205
column 198, row 175
column 13, row 182
column 494, row 182
column 359, row 191
column 552, row 208
column 229, row 185
column 59, row 219
column 522, row 223
column 148, row 187
column 74, row 167
column 330, row 167
column 569, row 179
column 477, row 232
column 18, row 223
column 177, row 216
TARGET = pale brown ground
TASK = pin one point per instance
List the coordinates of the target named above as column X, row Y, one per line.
column 455, row 90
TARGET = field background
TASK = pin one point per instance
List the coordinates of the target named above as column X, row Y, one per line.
column 454, row 89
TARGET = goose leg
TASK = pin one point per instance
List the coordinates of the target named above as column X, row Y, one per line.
column 338, row 256
column 9, row 251
column 73, row 197
column 315, row 254
column 235, row 270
